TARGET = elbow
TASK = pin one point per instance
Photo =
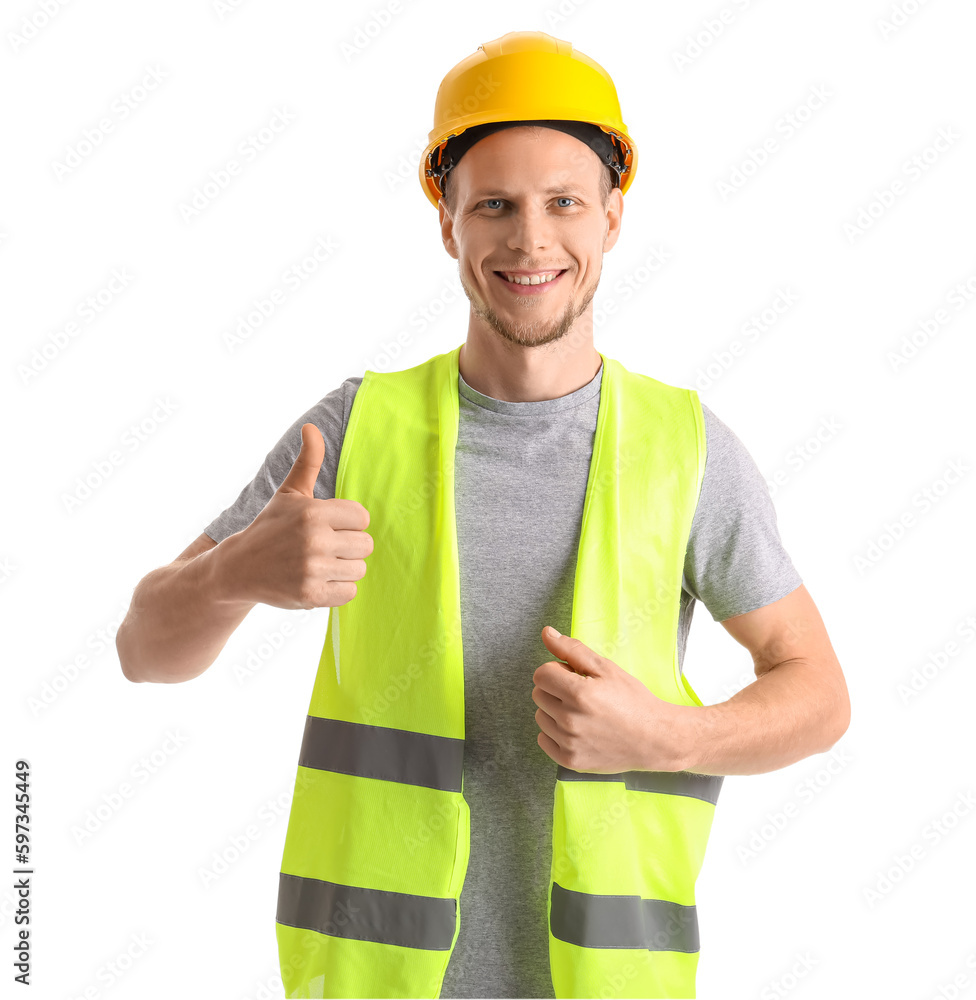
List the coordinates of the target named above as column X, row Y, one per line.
column 124, row 660
column 128, row 675
column 840, row 720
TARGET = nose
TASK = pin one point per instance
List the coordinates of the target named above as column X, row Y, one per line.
column 530, row 230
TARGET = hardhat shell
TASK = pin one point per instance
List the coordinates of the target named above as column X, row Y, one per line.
column 524, row 76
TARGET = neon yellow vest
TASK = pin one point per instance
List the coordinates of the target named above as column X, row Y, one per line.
column 377, row 844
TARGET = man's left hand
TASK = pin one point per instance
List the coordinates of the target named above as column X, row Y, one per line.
column 597, row 717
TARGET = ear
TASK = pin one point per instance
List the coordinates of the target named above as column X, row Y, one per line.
column 615, row 211
column 447, row 228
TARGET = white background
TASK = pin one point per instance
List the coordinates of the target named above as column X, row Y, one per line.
column 344, row 169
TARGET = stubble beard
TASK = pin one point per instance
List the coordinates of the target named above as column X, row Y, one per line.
column 534, row 331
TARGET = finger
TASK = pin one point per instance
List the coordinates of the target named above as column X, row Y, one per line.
column 352, row 544
column 551, row 747
column 347, row 569
column 548, row 725
column 558, row 679
column 347, row 514
column 305, row 470
column 549, row 703
column 577, row 654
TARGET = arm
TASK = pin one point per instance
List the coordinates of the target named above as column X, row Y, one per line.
column 181, row 616
column 298, row 552
column 797, row 706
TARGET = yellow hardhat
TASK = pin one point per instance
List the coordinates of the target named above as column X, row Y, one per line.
column 525, row 76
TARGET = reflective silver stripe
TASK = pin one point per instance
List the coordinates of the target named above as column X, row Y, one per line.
column 349, row 911
column 592, row 921
column 698, row 786
column 379, row 752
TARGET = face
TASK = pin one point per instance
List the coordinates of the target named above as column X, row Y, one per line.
column 529, row 199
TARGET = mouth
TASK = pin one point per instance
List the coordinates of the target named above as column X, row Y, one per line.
column 534, row 284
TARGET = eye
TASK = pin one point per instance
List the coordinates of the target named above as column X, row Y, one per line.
column 500, row 201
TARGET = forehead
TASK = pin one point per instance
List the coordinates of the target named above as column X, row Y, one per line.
column 534, row 158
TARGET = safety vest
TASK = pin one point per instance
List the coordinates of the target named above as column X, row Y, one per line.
column 378, row 836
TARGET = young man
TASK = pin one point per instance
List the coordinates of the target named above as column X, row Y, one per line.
column 483, row 808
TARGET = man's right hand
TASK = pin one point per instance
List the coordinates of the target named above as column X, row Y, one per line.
column 301, row 552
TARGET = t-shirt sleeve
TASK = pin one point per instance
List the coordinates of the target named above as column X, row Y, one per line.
column 735, row 560
column 331, row 415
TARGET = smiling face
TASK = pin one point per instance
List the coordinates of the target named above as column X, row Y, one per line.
column 530, row 199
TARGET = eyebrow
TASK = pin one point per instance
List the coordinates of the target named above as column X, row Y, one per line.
column 495, row 193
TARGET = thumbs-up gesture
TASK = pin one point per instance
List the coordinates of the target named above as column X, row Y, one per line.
column 595, row 716
column 302, row 552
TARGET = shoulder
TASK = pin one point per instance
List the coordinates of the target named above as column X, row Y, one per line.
column 728, row 464
column 736, row 560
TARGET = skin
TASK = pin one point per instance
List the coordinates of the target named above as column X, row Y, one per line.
column 593, row 715
column 529, row 347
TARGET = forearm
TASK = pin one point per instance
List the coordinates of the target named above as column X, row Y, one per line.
column 788, row 713
column 180, row 618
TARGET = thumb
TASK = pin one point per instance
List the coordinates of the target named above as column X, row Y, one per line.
column 301, row 478
column 577, row 654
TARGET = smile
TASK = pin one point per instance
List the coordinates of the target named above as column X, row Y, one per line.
column 536, row 284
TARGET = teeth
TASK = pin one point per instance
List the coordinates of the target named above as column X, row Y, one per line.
column 535, row 279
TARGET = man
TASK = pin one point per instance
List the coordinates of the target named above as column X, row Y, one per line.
column 498, row 535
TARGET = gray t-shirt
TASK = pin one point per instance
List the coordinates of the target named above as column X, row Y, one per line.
column 520, row 482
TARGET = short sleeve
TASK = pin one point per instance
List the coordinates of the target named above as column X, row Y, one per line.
column 331, row 415
column 735, row 561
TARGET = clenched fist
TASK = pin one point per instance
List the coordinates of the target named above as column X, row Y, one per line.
column 302, row 552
